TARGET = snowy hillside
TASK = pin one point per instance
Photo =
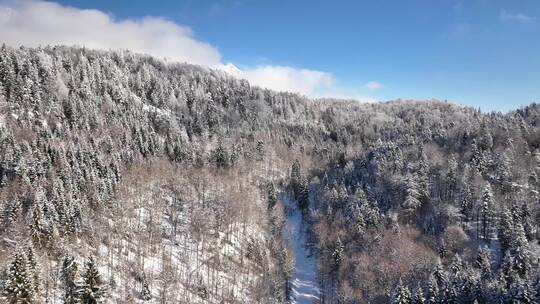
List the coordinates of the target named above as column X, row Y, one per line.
column 127, row 179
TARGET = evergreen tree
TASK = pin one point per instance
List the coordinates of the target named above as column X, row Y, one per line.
column 457, row 270
column 522, row 293
column 520, row 252
column 486, row 139
column 515, row 212
column 402, row 294
column 422, row 175
column 505, row 231
column 295, row 172
column 486, row 212
column 9, row 211
column 476, row 156
column 467, row 203
column 19, row 287
column 419, row 296
column 528, row 222
column 483, row 262
column 296, row 178
column 92, row 289
column 260, row 150
column 439, row 274
column 69, row 276
column 451, row 177
column 469, row 285
column 221, row 157
column 412, row 198
column 508, row 275
column 272, row 196
column 146, row 294
column 33, row 270
column 442, row 249
column 303, row 194
column 452, row 294
column 286, row 266
column 433, row 290
column 479, row 291
column 504, row 165
column 338, row 253
column 42, row 226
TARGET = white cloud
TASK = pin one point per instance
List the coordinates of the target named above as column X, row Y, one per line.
column 283, row 78
column 35, row 23
column 345, row 93
column 312, row 83
column 517, row 17
column 373, row 85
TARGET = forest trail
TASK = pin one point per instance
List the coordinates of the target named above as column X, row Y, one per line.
column 305, row 288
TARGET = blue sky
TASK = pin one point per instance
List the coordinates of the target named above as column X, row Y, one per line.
column 479, row 53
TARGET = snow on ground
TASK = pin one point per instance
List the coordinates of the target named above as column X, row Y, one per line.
column 188, row 269
column 305, row 288
column 193, row 266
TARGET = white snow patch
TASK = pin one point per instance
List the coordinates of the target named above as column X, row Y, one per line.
column 305, row 288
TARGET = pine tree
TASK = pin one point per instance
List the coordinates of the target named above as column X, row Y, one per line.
column 10, row 210
column 272, row 196
column 508, row 275
column 469, row 285
column 479, row 292
column 92, row 289
column 303, row 194
column 506, row 230
column 442, row 249
column 504, row 165
column 412, row 201
column 422, row 175
column 456, row 270
column 486, row 139
column 338, row 253
column 33, row 270
column 476, row 156
column 146, row 294
column 69, row 276
column 402, row 294
column 515, row 212
column 452, row 295
column 221, row 157
column 451, row 176
column 260, row 150
column 433, row 290
column 286, row 265
column 485, row 212
column 439, row 274
column 19, row 287
column 523, row 293
column 299, row 186
column 42, row 226
column 520, row 252
column 528, row 222
column 419, row 296
column 483, row 263
column 467, row 202
column 295, row 177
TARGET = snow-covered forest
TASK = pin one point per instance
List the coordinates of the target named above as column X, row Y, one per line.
column 128, row 179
